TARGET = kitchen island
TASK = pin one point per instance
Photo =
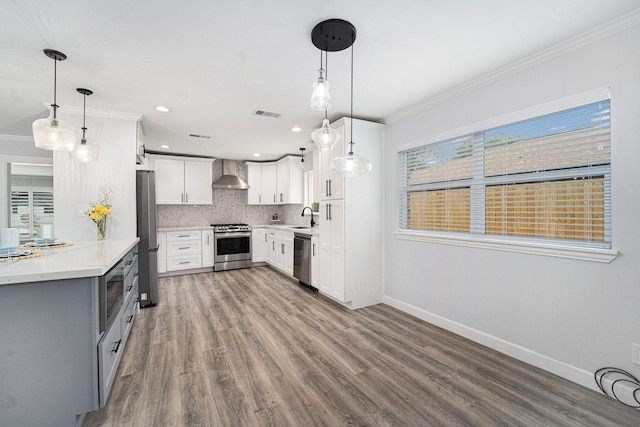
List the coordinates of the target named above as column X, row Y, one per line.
column 50, row 334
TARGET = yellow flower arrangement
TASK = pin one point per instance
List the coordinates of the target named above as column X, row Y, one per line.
column 100, row 211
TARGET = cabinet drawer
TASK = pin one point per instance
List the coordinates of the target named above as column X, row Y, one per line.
column 110, row 349
column 184, row 262
column 183, row 235
column 131, row 282
column 131, row 309
column 187, row 247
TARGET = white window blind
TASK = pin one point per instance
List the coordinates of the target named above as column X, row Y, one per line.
column 545, row 179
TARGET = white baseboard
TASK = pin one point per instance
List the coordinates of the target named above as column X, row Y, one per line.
column 564, row 370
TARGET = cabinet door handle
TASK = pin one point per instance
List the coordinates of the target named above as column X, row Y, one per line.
column 330, row 188
column 274, row 197
column 115, row 350
column 326, row 211
column 281, row 197
column 181, row 197
column 259, row 198
column 184, row 262
column 187, row 247
column 281, row 247
column 265, row 237
column 273, row 246
column 129, row 288
column 207, row 240
column 130, row 318
column 326, row 187
column 330, row 213
column 313, row 251
column 186, row 197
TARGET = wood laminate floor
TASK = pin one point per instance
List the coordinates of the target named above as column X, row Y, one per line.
column 253, row 348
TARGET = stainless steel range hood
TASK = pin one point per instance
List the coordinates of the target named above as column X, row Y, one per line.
column 229, row 179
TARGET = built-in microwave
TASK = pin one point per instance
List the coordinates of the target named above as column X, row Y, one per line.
column 111, row 294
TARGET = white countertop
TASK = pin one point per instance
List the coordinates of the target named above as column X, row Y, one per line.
column 190, row 228
column 283, row 227
column 83, row 259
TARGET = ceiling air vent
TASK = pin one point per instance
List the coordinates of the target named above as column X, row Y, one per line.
column 198, row 136
column 266, row 114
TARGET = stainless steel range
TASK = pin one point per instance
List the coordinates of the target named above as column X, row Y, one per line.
column 232, row 246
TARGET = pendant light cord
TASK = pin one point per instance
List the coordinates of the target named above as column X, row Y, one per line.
column 84, row 118
column 351, row 142
column 55, row 85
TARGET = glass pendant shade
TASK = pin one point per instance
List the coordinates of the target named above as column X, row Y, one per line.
column 325, row 137
column 54, row 134
column 85, row 152
column 321, row 98
column 350, row 165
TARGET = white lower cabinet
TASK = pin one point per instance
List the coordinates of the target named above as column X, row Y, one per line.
column 331, row 254
column 280, row 250
column 207, row 248
column 184, row 250
column 259, row 245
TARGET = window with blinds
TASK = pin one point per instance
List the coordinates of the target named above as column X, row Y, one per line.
column 542, row 179
column 29, row 209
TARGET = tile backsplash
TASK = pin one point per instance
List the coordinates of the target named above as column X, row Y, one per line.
column 229, row 206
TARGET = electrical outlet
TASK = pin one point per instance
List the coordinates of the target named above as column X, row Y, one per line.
column 635, row 354
column 143, row 296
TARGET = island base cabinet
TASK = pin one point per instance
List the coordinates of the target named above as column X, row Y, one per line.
column 109, row 352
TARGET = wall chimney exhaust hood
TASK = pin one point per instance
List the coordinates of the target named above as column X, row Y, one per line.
column 229, row 179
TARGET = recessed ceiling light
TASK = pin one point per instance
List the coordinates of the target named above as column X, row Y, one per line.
column 163, row 109
column 165, row 146
column 256, row 154
column 295, row 129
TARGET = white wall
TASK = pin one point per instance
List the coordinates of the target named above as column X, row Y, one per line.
column 569, row 317
column 77, row 184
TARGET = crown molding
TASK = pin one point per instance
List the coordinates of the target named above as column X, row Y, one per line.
column 596, row 34
column 16, row 138
column 94, row 112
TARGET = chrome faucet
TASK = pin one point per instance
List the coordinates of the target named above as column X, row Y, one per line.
column 312, row 221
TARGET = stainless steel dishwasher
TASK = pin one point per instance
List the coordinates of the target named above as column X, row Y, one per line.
column 302, row 258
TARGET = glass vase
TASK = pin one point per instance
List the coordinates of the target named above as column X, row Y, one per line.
column 102, row 229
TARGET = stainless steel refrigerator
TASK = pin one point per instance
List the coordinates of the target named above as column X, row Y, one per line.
column 148, row 245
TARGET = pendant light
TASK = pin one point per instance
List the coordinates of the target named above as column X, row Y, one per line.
column 52, row 133
column 332, row 35
column 301, row 165
column 321, row 97
column 351, row 164
column 86, row 151
column 325, row 137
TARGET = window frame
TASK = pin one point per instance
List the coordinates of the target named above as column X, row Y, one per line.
column 559, row 248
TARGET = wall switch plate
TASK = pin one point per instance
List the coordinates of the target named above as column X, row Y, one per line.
column 635, row 354
column 143, row 297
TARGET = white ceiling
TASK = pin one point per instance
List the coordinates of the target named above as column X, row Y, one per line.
column 215, row 62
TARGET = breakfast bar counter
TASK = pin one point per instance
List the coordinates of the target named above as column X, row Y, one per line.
column 83, row 259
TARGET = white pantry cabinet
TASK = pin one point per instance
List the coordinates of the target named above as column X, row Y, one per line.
column 183, row 180
column 350, row 217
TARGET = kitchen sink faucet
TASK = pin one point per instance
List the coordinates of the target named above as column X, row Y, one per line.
column 312, row 221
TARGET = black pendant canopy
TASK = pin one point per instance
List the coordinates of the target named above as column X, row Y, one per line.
column 54, row 54
column 333, row 35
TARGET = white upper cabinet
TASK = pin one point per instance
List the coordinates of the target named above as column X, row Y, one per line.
column 275, row 183
column 290, row 181
column 183, row 181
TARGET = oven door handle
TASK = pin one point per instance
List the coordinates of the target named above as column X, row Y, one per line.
column 232, row 234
